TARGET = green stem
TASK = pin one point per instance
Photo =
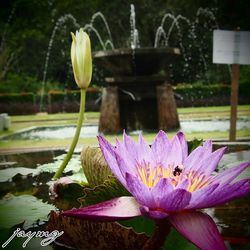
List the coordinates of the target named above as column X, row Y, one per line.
column 157, row 240
column 76, row 136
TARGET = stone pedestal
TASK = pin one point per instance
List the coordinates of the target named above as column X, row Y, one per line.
column 131, row 106
column 167, row 111
column 110, row 111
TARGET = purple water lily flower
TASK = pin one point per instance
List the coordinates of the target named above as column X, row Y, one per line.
column 167, row 183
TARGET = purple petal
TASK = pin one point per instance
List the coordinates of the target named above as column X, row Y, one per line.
column 176, row 200
column 225, row 193
column 208, row 146
column 174, row 156
column 199, row 228
column 160, row 146
column 139, row 190
column 130, row 145
column 211, row 162
column 161, row 190
column 153, row 213
column 144, row 152
column 197, row 156
column 183, row 184
column 121, row 208
column 184, row 146
column 111, row 158
column 124, row 159
column 201, row 195
column 230, row 174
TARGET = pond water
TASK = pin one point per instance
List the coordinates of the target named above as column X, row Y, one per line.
column 66, row 132
column 25, row 178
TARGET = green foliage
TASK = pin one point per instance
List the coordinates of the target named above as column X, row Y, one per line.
column 26, row 28
column 60, row 96
column 140, row 224
column 245, row 76
column 110, row 189
column 16, row 83
column 18, row 98
column 194, row 144
column 200, row 90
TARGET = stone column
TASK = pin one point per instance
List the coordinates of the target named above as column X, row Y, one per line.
column 110, row 111
column 167, row 111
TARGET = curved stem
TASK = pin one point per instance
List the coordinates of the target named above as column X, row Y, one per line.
column 76, row 136
column 158, row 238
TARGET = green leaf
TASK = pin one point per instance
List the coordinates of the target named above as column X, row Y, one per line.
column 68, row 196
column 177, row 241
column 106, row 191
column 194, row 144
column 140, row 224
column 16, row 209
column 9, row 173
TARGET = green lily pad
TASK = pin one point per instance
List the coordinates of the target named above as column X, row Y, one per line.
column 68, row 196
column 74, row 164
column 17, row 209
column 140, row 224
column 106, row 191
column 8, row 173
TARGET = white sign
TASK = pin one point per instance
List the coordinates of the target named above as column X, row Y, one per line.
column 231, row 47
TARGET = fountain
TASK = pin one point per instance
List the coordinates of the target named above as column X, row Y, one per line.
column 138, row 78
column 138, row 81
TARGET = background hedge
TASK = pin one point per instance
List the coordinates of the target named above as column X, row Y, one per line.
column 187, row 95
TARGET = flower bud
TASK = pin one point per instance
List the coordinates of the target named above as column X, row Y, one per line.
column 81, row 58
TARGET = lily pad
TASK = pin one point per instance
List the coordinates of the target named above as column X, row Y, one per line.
column 9, row 173
column 140, row 224
column 86, row 234
column 108, row 190
column 17, row 209
column 68, row 195
column 74, row 164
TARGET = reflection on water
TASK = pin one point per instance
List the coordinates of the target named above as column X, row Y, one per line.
column 53, row 132
column 32, row 172
column 212, row 125
column 66, row 132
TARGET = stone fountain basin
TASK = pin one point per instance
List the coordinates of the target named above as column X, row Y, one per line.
column 134, row 62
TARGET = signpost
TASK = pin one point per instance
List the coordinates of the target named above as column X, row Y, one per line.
column 232, row 47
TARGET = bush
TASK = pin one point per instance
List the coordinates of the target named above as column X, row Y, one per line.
column 14, row 103
column 18, row 98
column 69, row 101
column 199, row 94
column 15, row 83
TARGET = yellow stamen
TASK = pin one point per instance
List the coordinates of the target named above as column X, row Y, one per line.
column 150, row 176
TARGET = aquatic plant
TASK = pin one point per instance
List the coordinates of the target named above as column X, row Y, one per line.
column 82, row 67
column 169, row 186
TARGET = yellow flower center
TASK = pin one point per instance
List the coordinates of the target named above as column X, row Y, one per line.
column 150, row 176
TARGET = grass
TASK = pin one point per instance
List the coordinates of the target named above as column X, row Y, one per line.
column 27, row 121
